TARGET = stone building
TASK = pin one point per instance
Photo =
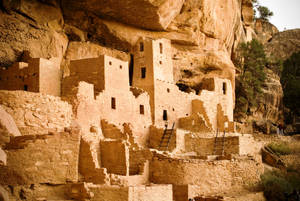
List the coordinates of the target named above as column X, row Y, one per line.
column 153, row 72
column 38, row 75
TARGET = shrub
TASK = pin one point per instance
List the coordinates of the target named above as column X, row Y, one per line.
column 281, row 148
column 278, row 185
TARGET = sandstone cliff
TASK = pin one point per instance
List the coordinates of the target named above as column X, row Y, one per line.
column 203, row 33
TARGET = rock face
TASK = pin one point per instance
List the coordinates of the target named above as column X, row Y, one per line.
column 264, row 30
column 204, row 34
column 149, row 14
column 284, row 44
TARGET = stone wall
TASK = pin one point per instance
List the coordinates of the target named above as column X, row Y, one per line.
column 38, row 75
column 36, row 113
column 51, row 158
column 208, row 176
column 151, row 193
column 114, row 157
column 156, row 136
column 203, row 146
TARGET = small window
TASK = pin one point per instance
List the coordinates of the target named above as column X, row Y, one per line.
column 113, row 103
column 165, row 115
column 141, row 47
column 160, row 62
column 110, row 63
column 224, row 88
column 25, row 88
column 160, row 48
column 121, row 66
column 143, row 72
column 168, row 90
column 142, row 110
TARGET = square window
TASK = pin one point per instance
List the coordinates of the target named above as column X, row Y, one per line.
column 142, row 110
column 143, row 72
column 161, row 48
column 113, row 103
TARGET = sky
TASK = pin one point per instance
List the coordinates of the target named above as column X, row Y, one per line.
column 286, row 13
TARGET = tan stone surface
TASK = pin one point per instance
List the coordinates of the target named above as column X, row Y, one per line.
column 36, row 113
column 7, row 123
column 38, row 75
column 264, row 30
column 209, row 176
column 3, row 194
column 284, row 44
column 148, row 14
column 115, row 157
column 49, row 158
column 3, row 157
column 88, row 167
column 19, row 33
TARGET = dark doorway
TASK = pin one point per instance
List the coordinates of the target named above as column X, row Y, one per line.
column 142, row 111
column 165, row 115
column 131, row 63
column 25, row 87
column 113, row 103
column 143, row 72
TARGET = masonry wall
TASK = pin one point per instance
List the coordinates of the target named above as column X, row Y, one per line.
column 151, row 193
column 110, row 193
column 21, row 76
column 35, row 112
column 39, row 75
column 156, row 136
column 49, row 159
column 205, row 146
column 50, row 77
column 114, row 157
column 208, row 176
column 89, row 70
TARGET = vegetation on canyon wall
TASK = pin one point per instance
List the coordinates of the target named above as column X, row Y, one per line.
column 251, row 63
column 290, row 80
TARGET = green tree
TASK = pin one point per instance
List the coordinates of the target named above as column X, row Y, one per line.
column 264, row 12
column 290, row 81
column 251, row 62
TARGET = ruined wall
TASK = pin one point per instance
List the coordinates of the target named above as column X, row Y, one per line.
column 114, row 157
column 156, row 136
column 49, row 77
column 38, row 75
column 49, row 158
column 36, row 113
column 21, row 76
column 208, row 176
column 150, row 193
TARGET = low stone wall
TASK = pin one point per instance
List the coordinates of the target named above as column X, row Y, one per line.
column 203, row 146
column 151, row 193
column 35, row 159
column 35, row 112
column 209, row 176
column 132, row 193
column 156, row 136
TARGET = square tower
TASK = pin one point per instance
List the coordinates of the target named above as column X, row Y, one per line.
column 152, row 62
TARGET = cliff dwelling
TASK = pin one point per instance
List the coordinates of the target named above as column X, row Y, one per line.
column 124, row 101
